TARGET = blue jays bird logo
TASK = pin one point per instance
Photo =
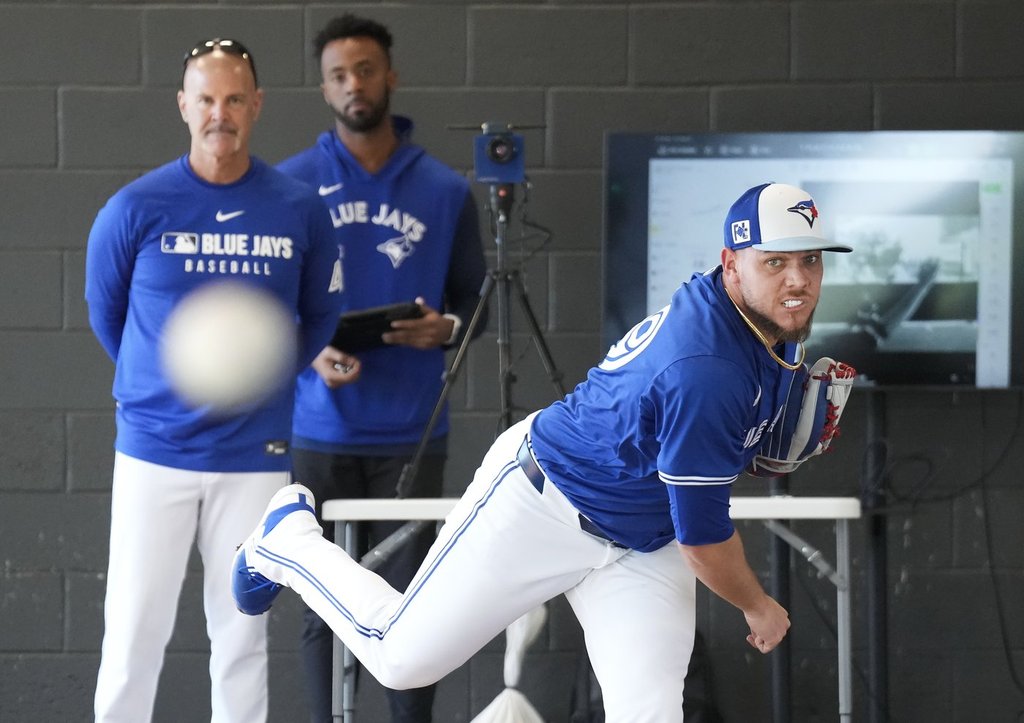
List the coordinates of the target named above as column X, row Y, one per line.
column 807, row 209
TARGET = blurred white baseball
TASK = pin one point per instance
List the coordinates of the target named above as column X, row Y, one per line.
column 228, row 346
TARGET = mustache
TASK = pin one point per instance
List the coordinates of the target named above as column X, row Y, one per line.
column 222, row 128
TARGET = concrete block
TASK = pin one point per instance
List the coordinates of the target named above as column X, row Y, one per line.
column 31, row 605
column 189, row 634
column 985, row 684
column 470, row 437
column 286, row 688
column 792, row 108
column 451, row 701
column 749, row 672
column 980, row 519
column 547, row 46
column 814, row 686
column 48, row 687
column 447, row 120
column 429, row 41
column 30, row 290
column 122, row 128
column 35, row 220
column 921, row 687
column 28, row 128
column 1003, row 449
column 921, row 441
column 578, row 119
column 710, row 43
column 919, row 539
column 54, row 531
column 570, row 205
column 988, row 45
column 183, row 671
column 532, row 388
column 97, row 45
column 75, row 310
column 76, row 370
column 90, row 452
column 290, row 121
column 873, row 40
column 945, row 106
column 285, row 625
column 86, row 592
column 273, row 34
column 941, row 626
column 574, row 304
column 31, row 458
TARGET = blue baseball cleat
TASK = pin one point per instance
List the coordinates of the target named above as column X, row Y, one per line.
column 254, row 593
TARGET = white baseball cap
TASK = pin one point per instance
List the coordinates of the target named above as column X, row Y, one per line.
column 776, row 217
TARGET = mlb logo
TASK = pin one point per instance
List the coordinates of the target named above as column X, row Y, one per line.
column 179, row 242
column 740, row 232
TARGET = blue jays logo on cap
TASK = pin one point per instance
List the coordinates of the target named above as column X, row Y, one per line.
column 807, row 210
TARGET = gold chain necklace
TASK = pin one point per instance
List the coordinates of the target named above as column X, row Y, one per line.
column 757, row 332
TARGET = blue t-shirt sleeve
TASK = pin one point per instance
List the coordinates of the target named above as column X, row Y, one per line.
column 699, row 410
column 466, row 271
column 109, row 263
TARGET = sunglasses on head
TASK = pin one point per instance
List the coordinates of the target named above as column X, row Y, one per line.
column 232, row 47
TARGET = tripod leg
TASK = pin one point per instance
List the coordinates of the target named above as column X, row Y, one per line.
column 410, row 469
column 538, row 337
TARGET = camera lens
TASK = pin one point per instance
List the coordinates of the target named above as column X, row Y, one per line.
column 500, row 149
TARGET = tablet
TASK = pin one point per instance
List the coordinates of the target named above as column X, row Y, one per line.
column 361, row 330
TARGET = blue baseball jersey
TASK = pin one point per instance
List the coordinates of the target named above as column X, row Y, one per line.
column 410, row 230
column 647, row 447
column 164, row 235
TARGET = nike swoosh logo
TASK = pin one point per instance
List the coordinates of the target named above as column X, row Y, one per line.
column 328, row 190
column 221, row 216
column 758, row 397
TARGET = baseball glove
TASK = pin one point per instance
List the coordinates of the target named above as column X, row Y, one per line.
column 809, row 421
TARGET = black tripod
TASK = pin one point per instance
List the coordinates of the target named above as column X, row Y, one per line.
column 504, row 281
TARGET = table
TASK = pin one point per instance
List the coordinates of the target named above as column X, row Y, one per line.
column 345, row 513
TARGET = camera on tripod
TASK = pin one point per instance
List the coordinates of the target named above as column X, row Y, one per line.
column 498, row 155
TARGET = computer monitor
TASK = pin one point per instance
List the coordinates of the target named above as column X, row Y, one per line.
column 936, row 219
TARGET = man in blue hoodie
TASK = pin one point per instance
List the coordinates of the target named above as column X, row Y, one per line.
column 407, row 229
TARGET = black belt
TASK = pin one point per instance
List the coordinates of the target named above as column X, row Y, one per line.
column 534, row 473
column 529, row 465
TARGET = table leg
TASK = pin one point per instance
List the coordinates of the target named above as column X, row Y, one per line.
column 844, row 631
column 343, row 662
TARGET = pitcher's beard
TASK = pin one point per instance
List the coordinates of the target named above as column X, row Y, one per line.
column 773, row 331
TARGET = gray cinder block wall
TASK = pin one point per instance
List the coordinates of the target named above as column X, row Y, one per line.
column 87, row 92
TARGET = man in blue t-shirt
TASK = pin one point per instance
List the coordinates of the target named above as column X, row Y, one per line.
column 184, row 473
column 616, row 496
column 407, row 229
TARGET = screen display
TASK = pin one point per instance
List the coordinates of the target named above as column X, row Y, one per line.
column 928, row 296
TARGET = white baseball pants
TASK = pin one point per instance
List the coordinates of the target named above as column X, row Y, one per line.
column 156, row 512
column 505, row 549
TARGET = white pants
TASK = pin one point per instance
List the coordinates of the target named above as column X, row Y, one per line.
column 505, row 549
column 156, row 512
